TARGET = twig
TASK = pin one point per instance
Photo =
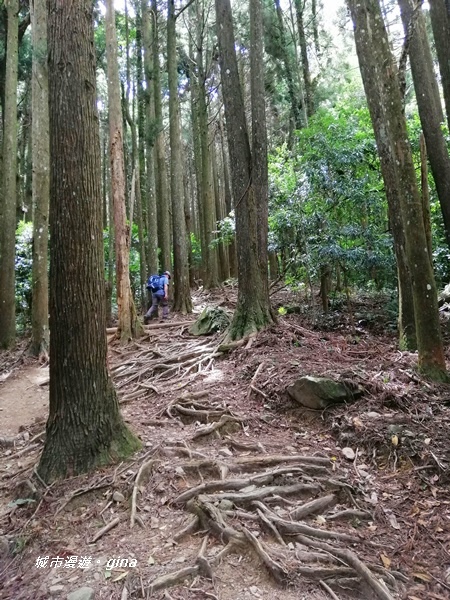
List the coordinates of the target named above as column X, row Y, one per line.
column 105, row 529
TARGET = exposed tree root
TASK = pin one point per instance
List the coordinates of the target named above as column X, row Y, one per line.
column 143, row 472
column 353, row 561
column 315, row 506
column 214, row 427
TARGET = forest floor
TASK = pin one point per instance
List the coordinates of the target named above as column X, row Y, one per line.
column 238, row 492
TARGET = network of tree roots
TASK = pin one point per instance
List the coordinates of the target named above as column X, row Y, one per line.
column 235, row 485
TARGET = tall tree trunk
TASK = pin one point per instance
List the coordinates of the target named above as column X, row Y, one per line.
column 253, row 307
column 194, row 88
column 128, row 326
column 309, row 97
column 84, row 427
column 289, row 70
column 425, row 194
column 440, row 22
column 429, row 105
column 40, row 181
column 162, row 191
column 8, row 199
column 223, row 264
column 152, row 219
column 182, row 299
column 371, row 39
column 211, row 276
column 232, row 254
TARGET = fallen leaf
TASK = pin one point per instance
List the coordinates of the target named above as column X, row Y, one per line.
column 422, row 576
column 119, row 577
column 321, row 520
column 394, row 440
column 357, row 422
column 393, row 521
column 386, row 561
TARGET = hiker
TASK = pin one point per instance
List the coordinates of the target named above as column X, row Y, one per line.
column 159, row 287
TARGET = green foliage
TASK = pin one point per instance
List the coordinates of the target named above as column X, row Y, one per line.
column 24, row 262
column 226, row 229
column 196, row 251
column 327, row 203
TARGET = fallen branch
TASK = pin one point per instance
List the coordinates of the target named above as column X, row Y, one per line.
column 105, row 529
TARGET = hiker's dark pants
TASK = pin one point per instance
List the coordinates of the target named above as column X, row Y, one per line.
column 156, row 301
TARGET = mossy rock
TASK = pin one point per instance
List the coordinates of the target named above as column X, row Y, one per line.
column 210, row 321
column 319, row 392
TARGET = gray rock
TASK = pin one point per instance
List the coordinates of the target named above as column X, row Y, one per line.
column 84, row 593
column 319, row 392
column 118, row 497
column 55, row 590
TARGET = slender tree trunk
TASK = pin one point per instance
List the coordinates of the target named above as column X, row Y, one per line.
column 84, row 428
column 211, row 277
column 162, row 192
column 429, row 105
column 152, row 219
column 182, row 299
column 128, row 325
column 223, row 264
column 253, row 308
column 440, row 22
column 40, row 181
column 425, row 195
column 289, row 71
column 309, row 97
column 232, row 254
column 9, row 198
column 198, row 163
column 371, row 39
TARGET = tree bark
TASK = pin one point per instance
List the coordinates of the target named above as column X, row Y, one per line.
column 152, row 219
column 128, row 326
column 289, row 71
column 429, row 105
column 9, row 197
column 253, row 307
column 309, row 97
column 211, row 275
column 161, row 183
column 182, row 296
column 84, row 428
column 392, row 139
column 440, row 23
column 40, row 181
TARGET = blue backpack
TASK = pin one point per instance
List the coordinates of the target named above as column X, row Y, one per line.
column 155, row 283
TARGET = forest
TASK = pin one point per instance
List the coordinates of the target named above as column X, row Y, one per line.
column 224, row 299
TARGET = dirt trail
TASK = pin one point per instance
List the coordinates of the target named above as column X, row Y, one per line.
column 23, row 398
